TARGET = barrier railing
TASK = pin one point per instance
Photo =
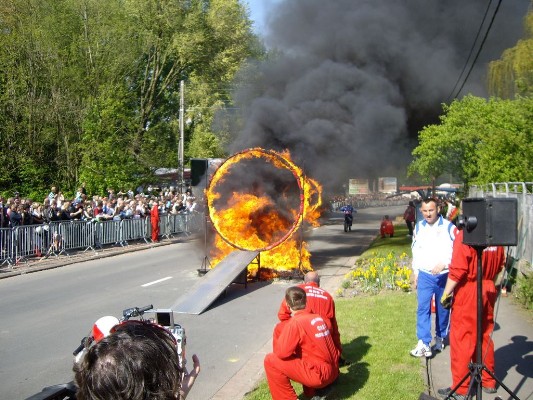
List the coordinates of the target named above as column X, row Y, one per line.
column 57, row 238
column 7, row 253
column 134, row 229
column 359, row 204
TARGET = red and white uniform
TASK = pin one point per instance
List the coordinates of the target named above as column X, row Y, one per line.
column 318, row 301
column 304, row 352
column 463, row 330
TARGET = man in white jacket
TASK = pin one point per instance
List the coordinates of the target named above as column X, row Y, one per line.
column 432, row 253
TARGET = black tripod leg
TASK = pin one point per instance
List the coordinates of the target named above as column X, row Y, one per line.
column 454, row 389
column 500, row 383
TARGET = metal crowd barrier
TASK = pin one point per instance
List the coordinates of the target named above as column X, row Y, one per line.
column 77, row 235
column 108, row 232
column 176, row 223
column 135, row 229
column 57, row 238
column 7, row 251
column 194, row 223
column 164, row 226
column 359, row 204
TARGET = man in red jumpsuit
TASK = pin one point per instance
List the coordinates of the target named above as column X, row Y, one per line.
column 304, row 352
column 386, row 227
column 318, row 302
column 462, row 282
column 154, row 220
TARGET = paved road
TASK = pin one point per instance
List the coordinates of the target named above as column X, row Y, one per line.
column 45, row 314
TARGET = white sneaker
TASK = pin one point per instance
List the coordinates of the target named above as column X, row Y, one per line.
column 421, row 350
column 439, row 344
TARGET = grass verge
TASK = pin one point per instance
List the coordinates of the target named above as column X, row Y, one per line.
column 377, row 332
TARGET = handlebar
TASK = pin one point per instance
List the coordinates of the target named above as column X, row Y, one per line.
column 80, row 347
column 135, row 312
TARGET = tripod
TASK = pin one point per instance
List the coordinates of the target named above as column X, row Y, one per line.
column 477, row 368
column 205, row 263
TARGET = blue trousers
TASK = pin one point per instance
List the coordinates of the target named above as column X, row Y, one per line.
column 429, row 285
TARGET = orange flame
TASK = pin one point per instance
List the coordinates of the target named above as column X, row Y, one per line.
column 248, row 219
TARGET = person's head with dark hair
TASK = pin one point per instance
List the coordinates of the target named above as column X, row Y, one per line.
column 426, row 200
column 136, row 361
column 295, row 298
column 430, row 210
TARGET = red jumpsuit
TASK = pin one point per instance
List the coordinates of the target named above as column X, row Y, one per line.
column 304, row 353
column 154, row 220
column 318, row 302
column 386, row 228
column 463, row 329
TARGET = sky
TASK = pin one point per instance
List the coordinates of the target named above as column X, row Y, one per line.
column 258, row 10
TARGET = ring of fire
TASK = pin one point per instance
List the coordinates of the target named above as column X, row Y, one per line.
column 276, row 160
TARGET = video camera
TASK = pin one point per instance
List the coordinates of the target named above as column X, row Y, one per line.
column 164, row 317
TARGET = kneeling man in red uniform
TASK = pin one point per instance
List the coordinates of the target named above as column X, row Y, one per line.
column 386, row 227
column 304, row 352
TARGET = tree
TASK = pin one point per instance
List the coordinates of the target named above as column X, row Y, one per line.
column 478, row 141
column 89, row 89
column 512, row 75
column 40, row 112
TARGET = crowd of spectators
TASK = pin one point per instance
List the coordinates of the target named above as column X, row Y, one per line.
column 16, row 211
column 375, row 199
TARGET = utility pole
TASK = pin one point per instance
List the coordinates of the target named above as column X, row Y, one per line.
column 181, row 148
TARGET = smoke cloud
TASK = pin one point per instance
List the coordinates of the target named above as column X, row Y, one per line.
column 350, row 82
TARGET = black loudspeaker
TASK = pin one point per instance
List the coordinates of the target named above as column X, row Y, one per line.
column 489, row 222
column 198, row 170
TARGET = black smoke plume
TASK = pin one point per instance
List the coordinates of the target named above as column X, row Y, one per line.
column 349, row 83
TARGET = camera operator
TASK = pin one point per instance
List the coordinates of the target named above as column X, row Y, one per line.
column 138, row 360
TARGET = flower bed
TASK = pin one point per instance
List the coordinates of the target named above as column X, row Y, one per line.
column 376, row 273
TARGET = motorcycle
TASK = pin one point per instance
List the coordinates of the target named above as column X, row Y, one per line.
column 348, row 220
column 348, row 211
column 102, row 328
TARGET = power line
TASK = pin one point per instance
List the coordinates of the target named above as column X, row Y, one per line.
column 471, row 51
column 479, row 50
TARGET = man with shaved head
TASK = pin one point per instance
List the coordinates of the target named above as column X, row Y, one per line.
column 318, row 302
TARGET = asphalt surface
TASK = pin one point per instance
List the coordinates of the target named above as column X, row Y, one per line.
column 334, row 252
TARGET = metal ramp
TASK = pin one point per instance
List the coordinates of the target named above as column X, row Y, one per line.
column 211, row 285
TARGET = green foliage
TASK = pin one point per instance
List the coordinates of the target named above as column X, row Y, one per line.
column 512, row 75
column 524, row 289
column 478, row 141
column 89, row 90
